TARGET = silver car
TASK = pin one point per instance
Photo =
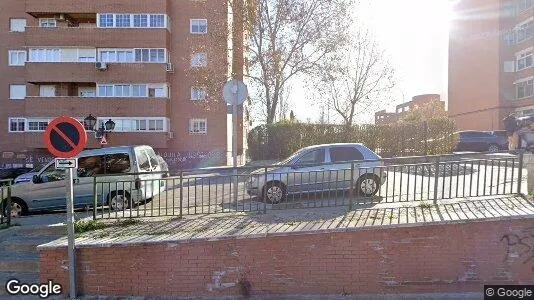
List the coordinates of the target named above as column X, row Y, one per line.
column 320, row 168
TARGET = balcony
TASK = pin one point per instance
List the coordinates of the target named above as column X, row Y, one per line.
column 86, row 72
column 154, row 139
column 80, row 106
column 98, row 37
column 38, row 7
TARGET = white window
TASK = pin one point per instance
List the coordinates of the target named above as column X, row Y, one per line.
column 139, row 90
column 105, row 91
column 199, row 60
column 86, row 59
column 47, row 90
column 150, row 55
column 141, row 21
column 17, row 25
column 198, row 93
column 199, row 26
column 157, row 92
column 122, row 90
column 17, row 58
column 122, row 20
column 37, row 125
column 47, row 22
column 17, row 124
column 157, row 21
column 524, row 5
column 17, row 91
column 525, row 31
column 45, row 55
column 198, row 126
column 86, row 92
column 105, row 20
column 524, row 60
column 524, row 89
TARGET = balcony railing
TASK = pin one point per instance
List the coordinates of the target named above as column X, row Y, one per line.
column 98, row 37
column 36, row 7
column 86, row 72
column 81, row 106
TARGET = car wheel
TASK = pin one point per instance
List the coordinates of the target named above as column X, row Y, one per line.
column 119, row 201
column 367, row 185
column 18, row 208
column 274, row 192
column 493, row 148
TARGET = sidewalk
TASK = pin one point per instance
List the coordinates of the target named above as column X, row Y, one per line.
column 303, row 221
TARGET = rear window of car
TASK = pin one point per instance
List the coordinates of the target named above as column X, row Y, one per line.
column 116, row 163
column 340, row 154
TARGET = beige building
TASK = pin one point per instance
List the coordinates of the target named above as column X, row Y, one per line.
column 383, row 117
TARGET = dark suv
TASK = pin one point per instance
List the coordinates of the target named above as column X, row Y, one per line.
column 482, row 141
column 12, row 173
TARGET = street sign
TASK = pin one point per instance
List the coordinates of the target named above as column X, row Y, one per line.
column 65, row 137
column 66, row 163
column 235, row 92
column 103, row 140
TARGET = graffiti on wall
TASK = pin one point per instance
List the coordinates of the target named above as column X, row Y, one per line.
column 520, row 245
column 192, row 159
column 35, row 158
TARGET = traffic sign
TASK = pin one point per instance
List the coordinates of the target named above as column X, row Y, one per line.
column 66, row 163
column 65, row 137
column 103, row 140
column 235, row 92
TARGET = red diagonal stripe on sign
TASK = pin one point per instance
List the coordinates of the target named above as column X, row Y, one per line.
column 66, row 138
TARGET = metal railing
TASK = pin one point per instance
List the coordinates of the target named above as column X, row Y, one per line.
column 5, row 201
column 355, row 183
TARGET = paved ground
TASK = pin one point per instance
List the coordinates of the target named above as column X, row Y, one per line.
column 283, row 222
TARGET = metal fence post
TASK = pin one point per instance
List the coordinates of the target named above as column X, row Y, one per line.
column 263, row 192
column 8, row 203
column 520, row 173
column 95, row 198
column 181, row 192
column 436, row 179
column 351, row 190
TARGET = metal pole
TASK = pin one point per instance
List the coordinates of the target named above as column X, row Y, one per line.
column 436, row 179
column 351, row 190
column 234, row 141
column 70, row 229
column 520, row 173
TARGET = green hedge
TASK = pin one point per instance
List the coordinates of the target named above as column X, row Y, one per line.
column 280, row 140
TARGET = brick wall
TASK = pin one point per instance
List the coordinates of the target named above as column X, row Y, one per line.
column 432, row 258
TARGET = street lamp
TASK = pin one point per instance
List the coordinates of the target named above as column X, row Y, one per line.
column 102, row 133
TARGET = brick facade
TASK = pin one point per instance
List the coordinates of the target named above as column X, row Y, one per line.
column 455, row 257
column 67, row 77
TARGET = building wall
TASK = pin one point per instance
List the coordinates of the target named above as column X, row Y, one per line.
column 179, row 147
column 439, row 258
column 382, row 117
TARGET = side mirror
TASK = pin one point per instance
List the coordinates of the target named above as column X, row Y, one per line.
column 36, row 179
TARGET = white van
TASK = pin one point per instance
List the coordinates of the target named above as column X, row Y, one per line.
column 125, row 175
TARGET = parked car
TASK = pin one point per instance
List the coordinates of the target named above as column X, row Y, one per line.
column 12, row 173
column 319, row 168
column 26, row 177
column 480, row 141
column 128, row 175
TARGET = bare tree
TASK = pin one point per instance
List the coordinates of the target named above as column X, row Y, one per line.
column 356, row 77
column 290, row 38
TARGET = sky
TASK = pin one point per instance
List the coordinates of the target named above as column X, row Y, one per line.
column 414, row 36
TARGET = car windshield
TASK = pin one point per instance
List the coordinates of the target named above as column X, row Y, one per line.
column 288, row 160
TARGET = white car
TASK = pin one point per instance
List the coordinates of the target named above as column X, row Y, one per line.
column 320, row 168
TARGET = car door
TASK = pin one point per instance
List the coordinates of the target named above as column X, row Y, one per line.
column 49, row 191
column 342, row 158
column 306, row 175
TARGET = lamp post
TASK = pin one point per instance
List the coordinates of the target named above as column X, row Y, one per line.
column 101, row 133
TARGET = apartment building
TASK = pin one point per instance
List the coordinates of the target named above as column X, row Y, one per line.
column 491, row 70
column 155, row 68
column 383, row 117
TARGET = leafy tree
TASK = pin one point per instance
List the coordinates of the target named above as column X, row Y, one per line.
column 434, row 109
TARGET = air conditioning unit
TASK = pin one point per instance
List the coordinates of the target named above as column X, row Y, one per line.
column 170, row 67
column 170, row 134
column 101, row 66
column 60, row 17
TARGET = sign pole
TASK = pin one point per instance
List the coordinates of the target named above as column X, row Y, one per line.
column 70, row 229
column 234, row 141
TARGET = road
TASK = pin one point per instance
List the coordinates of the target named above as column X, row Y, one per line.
column 214, row 194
